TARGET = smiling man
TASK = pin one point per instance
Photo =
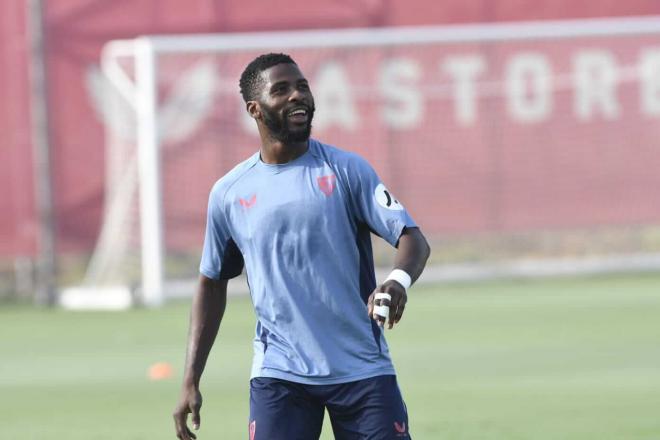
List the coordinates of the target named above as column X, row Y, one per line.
column 298, row 216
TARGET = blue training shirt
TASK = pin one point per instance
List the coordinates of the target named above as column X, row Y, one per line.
column 302, row 230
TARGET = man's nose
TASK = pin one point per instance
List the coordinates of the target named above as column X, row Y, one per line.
column 296, row 95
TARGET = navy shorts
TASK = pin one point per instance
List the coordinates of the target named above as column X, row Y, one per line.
column 369, row 409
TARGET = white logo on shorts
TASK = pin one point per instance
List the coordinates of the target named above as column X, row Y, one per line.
column 386, row 199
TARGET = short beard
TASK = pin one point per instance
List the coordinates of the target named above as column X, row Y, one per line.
column 280, row 131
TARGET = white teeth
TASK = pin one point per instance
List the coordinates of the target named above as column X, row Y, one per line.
column 298, row 112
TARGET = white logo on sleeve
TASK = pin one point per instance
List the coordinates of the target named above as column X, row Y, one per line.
column 386, row 199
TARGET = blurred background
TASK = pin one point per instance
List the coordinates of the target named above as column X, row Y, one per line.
column 523, row 136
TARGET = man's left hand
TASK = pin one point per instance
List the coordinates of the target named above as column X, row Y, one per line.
column 397, row 304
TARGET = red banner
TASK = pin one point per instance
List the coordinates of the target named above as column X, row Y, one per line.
column 500, row 136
column 460, row 159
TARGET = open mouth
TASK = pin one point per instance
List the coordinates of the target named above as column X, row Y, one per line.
column 298, row 114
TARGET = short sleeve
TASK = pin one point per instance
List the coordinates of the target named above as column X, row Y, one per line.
column 221, row 258
column 376, row 206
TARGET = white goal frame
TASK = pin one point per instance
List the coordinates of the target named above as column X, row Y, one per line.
column 141, row 92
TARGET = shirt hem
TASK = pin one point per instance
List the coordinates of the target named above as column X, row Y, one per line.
column 275, row 374
column 209, row 273
column 393, row 239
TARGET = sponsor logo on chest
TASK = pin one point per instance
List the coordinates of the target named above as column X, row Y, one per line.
column 248, row 202
column 327, row 184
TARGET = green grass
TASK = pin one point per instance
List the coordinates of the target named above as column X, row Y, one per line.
column 544, row 359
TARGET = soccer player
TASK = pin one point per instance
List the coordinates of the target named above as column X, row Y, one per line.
column 298, row 215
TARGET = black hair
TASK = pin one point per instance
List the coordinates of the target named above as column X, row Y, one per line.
column 251, row 76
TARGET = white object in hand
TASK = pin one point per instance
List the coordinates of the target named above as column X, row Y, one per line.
column 382, row 310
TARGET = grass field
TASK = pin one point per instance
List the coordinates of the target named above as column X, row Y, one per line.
column 545, row 359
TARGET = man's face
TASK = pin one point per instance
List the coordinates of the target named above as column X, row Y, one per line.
column 287, row 104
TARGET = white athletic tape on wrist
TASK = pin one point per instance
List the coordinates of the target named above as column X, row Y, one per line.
column 382, row 310
column 401, row 277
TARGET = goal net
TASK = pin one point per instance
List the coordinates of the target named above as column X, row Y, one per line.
column 530, row 145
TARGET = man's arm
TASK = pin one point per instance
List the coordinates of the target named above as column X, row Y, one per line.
column 411, row 255
column 208, row 307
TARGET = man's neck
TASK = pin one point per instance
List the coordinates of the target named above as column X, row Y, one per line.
column 276, row 152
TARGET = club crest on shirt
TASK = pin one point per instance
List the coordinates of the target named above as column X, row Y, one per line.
column 327, row 184
column 248, row 202
column 386, row 199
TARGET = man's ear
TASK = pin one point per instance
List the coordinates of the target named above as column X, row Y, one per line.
column 253, row 109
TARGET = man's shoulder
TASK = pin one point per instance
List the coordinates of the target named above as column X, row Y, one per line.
column 337, row 157
column 223, row 184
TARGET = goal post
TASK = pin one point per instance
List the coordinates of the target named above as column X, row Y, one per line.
column 520, row 103
column 151, row 226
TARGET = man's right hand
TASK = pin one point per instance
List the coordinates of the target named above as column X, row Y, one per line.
column 208, row 307
column 189, row 403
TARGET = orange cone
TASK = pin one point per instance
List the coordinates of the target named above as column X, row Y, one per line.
column 160, row 371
